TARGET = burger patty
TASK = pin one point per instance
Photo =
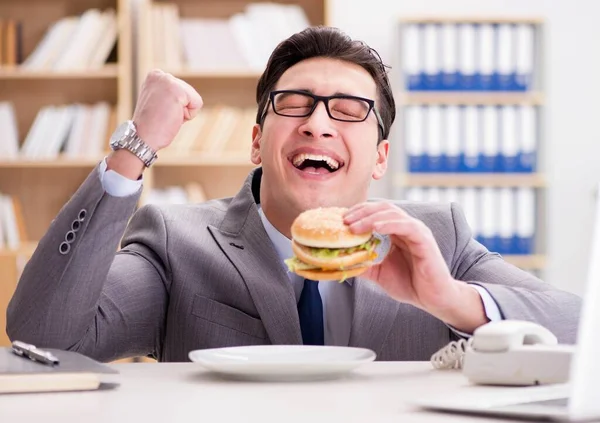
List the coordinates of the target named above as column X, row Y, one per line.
column 337, row 252
column 295, row 263
column 308, row 258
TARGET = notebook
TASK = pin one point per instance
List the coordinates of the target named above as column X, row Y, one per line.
column 75, row 372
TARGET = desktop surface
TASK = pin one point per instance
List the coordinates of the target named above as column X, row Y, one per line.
column 182, row 392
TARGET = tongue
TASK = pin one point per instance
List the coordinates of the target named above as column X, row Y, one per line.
column 319, row 170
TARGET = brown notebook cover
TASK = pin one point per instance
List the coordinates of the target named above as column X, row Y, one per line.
column 75, row 372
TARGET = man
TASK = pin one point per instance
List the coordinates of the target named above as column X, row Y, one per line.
column 212, row 275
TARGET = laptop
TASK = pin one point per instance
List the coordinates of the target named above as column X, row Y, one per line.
column 579, row 400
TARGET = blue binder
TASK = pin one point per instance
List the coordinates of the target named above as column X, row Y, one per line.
column 413, row 60
column 506, row 57
column 525, row 35
column 485, row 57
column 467, row 57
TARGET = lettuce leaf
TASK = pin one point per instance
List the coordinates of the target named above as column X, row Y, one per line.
column 335, row 252
column 295, row 264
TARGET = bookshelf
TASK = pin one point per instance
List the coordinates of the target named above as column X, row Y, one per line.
column 41, row 185
column 219, row 71
column 454, row 74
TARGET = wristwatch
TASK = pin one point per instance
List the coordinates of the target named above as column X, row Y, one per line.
column 126, row 137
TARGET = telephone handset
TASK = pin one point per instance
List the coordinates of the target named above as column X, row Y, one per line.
column 507, row 335
column 508, row 352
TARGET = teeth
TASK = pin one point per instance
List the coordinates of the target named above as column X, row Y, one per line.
column 298, row 159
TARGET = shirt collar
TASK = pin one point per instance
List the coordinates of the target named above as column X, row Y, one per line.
column 282, row 244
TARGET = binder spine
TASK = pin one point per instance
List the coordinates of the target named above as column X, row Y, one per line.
column 450, row 76
column 433, row 151
column 467, row 75
column 452, row 139
column 413, row 57
column 489, row 219
column 433, row 73
column 471, row 135
column 525, row 36
column 509, row 143
column 415, row 139
column 505, row 80
column 527, row 139
column 490, row 149
column 485, row 56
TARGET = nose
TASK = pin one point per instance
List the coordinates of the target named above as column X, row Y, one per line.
column 318, row 125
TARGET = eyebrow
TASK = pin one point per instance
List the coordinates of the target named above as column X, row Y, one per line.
column 309, row 91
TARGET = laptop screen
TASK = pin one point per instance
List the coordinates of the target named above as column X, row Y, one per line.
column 585, row 366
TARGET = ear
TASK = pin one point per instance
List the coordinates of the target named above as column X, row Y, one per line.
column 256, row 139
column 382, row 159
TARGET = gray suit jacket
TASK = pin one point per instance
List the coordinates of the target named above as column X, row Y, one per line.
column 206, row 275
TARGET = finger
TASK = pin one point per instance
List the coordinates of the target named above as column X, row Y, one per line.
column 364, row 209
column 192, row 101
column 369, row 218
column 416, row 236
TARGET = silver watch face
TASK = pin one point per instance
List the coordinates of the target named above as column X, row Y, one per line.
column 123, row 130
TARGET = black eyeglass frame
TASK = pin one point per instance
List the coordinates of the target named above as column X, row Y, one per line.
column 325, row 100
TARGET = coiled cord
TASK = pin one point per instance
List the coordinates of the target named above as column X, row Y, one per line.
column 451, row 356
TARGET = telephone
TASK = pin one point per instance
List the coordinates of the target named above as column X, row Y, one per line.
column 508, row 352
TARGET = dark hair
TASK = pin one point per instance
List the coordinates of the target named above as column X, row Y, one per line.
column 322, row 41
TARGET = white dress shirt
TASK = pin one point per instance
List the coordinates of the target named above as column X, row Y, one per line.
column 337, row 297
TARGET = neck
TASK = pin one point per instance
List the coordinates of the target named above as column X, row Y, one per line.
column 281, row 221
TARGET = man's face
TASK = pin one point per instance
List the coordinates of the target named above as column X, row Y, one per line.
column 284, row 144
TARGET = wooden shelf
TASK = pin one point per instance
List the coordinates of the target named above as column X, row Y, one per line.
column 471, row 20
column 25, row 250
column 59, row 162
column 529, row 262
column 106, row 72
column 470, row 98
column 44, row 186
column 219, row 175
column 469, row 180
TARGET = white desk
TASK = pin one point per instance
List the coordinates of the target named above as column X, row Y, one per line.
column 184, row 392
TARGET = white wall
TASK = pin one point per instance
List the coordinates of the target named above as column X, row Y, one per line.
column 572, row 86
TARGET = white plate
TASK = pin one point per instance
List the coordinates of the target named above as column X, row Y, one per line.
column 282, row 362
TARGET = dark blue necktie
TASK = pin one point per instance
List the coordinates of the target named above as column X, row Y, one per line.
column 310, row 311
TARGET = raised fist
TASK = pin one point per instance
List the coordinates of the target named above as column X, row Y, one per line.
column 163, row 105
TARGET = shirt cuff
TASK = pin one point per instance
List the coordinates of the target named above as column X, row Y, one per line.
column 491, row 309
column 115, row 184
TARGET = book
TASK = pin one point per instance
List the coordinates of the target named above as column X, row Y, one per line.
column 75, row 372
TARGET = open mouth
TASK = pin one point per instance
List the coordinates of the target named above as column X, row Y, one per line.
column 316, row 163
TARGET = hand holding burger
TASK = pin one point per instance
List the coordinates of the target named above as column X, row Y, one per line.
column 414, row 271
column 338, row 243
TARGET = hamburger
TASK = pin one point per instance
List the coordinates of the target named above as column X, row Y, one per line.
column 325, row 248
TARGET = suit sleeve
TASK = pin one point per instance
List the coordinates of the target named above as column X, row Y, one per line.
column 77, row 293
column 518, row 294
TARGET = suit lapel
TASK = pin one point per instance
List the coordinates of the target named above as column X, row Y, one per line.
column 373, row 317
column 243, row 239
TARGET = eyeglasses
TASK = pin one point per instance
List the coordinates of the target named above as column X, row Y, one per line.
column 344, row 108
